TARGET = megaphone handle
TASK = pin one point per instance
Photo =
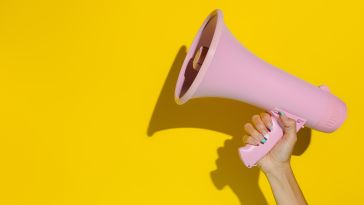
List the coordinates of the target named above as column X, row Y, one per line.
column 251, row 154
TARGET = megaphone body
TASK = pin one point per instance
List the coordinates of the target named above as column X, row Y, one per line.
column 217, row 65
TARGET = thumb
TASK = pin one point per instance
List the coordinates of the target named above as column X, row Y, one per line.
column 289, row 126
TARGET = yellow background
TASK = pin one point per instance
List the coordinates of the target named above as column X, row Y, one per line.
column 87, row 114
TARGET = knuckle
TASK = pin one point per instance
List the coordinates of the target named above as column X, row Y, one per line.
column 245, row 138
column 255, row 118
column 261, row 127
column 267, row 119
column 264, row 115
column 247, row 126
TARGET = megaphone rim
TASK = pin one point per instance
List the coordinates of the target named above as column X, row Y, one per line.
column 209, row 56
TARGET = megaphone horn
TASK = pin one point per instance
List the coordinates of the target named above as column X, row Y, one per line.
column 218, row 66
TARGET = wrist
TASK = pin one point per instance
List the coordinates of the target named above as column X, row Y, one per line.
column 284, row 186
column 278, row 170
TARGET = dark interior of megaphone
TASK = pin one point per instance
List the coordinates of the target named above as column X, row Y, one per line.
column 199, row 54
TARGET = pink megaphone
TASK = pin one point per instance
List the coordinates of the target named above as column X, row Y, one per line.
column 218, row 66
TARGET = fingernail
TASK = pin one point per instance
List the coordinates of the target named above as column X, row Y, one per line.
column 263, row 140
column 281, row 113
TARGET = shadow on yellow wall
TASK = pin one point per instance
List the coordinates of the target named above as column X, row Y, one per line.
column 222, row 115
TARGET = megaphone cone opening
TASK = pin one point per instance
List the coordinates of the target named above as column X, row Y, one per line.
column 199, row 57
column 192, row 69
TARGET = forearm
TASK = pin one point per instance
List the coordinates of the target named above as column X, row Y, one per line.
column 285, row 187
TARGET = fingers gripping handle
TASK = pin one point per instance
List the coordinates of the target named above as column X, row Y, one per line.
column 251, row 154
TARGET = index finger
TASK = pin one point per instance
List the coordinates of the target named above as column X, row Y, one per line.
column 267, row 120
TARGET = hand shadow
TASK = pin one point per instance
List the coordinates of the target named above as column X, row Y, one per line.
column 222, row 115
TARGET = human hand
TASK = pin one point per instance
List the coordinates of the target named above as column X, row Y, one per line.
column 279, row 157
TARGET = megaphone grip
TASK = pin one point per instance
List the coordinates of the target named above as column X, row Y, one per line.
column 251, row 154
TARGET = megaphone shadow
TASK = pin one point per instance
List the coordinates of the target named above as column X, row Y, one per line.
column 222, row 115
